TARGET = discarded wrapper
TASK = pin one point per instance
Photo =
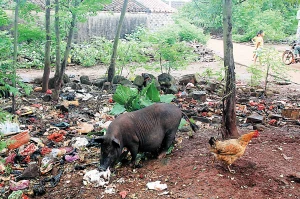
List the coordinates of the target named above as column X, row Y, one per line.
column 97, row 178
column 156, row 186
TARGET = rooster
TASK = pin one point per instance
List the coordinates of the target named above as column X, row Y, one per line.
column 230, row 150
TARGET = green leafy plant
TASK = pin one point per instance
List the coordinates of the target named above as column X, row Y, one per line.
column 256, row 74
column 130, row 99
column 273, row 64
column 210, row 73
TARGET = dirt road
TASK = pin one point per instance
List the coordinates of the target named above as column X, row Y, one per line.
column 243, row 56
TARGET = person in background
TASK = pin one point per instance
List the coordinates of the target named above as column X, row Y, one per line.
column 297, row 49
column 254, row 43
column 259, row 45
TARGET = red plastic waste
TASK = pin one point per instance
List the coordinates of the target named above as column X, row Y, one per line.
column 18, row 140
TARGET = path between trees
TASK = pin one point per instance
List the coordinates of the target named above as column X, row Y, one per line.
column 243, row 56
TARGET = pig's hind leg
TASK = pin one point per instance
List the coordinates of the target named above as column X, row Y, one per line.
column 167, row 141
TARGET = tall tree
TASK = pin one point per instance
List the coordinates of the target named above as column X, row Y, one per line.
column 63, row 65
column 47, row 49
column 79, row 11
column 57, row 44
column 229, row 105
column 15, row 54
column 112, row 66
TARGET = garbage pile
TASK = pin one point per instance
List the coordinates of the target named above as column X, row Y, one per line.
column 47, row 141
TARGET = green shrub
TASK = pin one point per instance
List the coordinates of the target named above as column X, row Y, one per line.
column 30, row 33
column 130, row 99
column 189, row 32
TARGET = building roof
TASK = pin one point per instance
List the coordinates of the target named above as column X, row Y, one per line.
column 140, row 6
column 175, row 4
column 133, row 6
column 157, row 6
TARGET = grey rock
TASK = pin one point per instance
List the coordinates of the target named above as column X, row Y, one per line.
column 216, row 120
column 85, row 80
column 199, row 95
column 185, row 79
column 138, row 81
column 166, row 80
column 126, row 82
column 255, row 118
column 274, row 116
column 201, row 119
column 117, row 79
column 99, row 82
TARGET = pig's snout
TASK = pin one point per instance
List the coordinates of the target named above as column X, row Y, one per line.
column 102, row 168
column 104, row 164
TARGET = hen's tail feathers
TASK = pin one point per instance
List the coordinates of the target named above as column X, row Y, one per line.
column 193, row 126
column 212, row 141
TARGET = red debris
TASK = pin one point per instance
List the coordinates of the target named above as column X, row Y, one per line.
column 111, row 100
column 273, row 122
column 261, row 107
column 57, row 136
column 123, row 194
column 36, row 105
column 27, row 159
column 10, row 158
column 45, row 150
column 253, row 103
column 204, row 114
column 49, row 91
column 29, row 149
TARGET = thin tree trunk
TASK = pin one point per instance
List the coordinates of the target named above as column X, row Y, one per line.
column 57, row 35
column 15, row 54
column 47, row 49
column 59, row 80
column 229, row 129
column 112, row 66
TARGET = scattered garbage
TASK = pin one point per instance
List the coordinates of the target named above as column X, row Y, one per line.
column 32, row 171
column 156, row 186
column 84, row 128
column 18, row 140
column 96, row 178
column 16, row 195
column 123, row 194
column 22, row 184
column 79, row 142
column 46, row 140
column 9, row 128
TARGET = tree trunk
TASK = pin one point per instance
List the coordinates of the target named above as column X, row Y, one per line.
column 47, row 49
column 15, row 54
column 112, row 66
column 59, row 80
column 57, row 35
column 229, row 129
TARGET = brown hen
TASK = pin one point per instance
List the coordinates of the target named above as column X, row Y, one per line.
column 230, row 150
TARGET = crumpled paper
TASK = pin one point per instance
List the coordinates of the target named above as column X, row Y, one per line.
column 156, row 186
column 97, row 178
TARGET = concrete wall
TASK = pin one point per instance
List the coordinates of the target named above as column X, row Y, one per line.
column 158, row 20
column 105, row 24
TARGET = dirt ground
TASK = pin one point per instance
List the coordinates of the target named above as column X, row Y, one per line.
column 263, row 172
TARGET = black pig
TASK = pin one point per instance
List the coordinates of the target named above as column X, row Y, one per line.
column 151, row 129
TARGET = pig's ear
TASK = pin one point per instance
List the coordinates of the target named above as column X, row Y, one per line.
column 116, row 142
column 99, row 139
